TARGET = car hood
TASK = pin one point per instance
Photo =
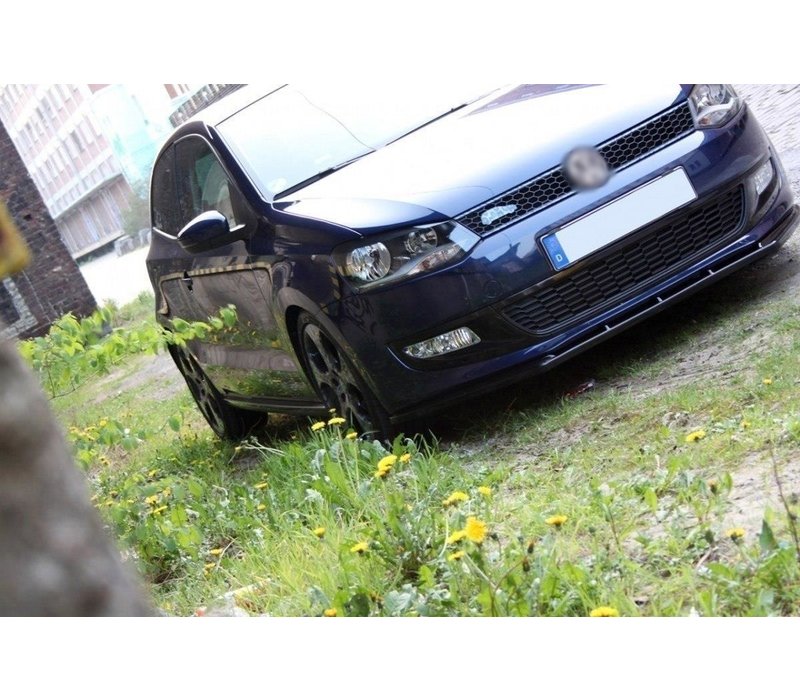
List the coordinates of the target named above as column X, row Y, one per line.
column 476, row 153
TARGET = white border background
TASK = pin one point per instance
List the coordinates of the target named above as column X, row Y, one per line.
column 238, row 41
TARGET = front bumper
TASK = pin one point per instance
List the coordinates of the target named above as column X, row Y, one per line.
column 509, row 267
column 702, row 276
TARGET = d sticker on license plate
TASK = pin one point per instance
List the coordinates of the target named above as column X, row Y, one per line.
column 618, row 218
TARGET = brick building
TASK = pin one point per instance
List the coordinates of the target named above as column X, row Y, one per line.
column 52, row 285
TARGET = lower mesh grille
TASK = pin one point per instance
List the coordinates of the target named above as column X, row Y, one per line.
column 650, row 257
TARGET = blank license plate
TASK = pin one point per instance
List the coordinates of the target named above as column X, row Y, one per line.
column 618, row 218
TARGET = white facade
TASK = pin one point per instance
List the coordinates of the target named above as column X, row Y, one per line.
column 84, row 146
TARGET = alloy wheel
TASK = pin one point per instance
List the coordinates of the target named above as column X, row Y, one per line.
column 202, row 390
column 336, row 381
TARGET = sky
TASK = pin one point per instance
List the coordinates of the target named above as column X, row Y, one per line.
column 432, row 40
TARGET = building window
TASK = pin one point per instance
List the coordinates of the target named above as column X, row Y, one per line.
column 77, row 141
column 14, row 310
column 86, row 133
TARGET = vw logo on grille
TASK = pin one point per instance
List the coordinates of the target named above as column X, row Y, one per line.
column 586, row 168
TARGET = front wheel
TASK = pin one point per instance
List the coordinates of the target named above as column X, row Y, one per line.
column 338, row 382
column 228, row 422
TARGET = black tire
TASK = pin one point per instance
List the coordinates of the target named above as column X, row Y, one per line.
column 338, row 383
column 227, row 422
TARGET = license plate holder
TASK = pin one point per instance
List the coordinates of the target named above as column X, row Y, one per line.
column 619, row 218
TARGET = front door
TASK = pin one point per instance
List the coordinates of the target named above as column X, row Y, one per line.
column 246, row 360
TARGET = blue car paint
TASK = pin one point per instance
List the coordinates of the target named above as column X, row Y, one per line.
column 297, row 234
column 512, row 259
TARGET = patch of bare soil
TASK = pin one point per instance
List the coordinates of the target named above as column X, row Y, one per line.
column 155, row 372
column 755, row 488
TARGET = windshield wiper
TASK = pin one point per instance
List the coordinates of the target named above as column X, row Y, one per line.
column 430, row 121
column 323, row 173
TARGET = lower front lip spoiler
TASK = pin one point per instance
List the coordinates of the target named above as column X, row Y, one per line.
column 705, row 277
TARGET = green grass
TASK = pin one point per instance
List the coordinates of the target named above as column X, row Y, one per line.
column 648, row 514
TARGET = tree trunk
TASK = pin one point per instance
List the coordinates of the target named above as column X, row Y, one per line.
column 55, row 557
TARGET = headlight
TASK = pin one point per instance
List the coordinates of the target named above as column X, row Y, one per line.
column 713, row 105
column 368, row 263
column 402, row 254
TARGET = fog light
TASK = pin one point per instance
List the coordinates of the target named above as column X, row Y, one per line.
column 763, row 176
column 444, row 343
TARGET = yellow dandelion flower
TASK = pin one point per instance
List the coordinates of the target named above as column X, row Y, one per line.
column 261, row 485
column 331, row 612
column 485, row 491
column 352, row 435
column 405, row 458
column 604, row 611
column 336, row 421
column 319, row 425
column 152, row 473
column 475, row 530
column 261, row 506
column 151, row 499
column 735, row 533
column 455, row 497
column 359, row 548
column 103, row 423
column 158, row 510
column 382, row 472
column 744, row 425
column 695, row 436
column 457, row 536
column 387, row 461
column 455, row 556
column 210, row 565
column 319, row 531
column 767, row 380
column 216, row 552
column 556, row 520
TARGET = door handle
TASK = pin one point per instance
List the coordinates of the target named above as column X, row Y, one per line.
column 187, row 281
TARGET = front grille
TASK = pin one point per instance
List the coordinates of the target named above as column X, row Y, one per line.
column 652, row 256
column 551, row 186
column 642, row 140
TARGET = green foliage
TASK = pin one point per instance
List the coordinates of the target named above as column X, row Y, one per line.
column 405, row 531
column 620, row 501
column 75, row 350
column 137, row 215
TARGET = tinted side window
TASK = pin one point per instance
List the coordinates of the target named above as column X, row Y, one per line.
column 164, row 204
column 203, row 184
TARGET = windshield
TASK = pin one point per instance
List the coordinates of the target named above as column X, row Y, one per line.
column 291, row 136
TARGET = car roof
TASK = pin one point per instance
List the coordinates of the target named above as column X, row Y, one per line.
column 229, row 105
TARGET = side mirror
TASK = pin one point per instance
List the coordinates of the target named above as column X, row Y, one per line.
column 207, row 231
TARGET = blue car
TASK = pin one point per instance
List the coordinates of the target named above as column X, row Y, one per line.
column 390, row 253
